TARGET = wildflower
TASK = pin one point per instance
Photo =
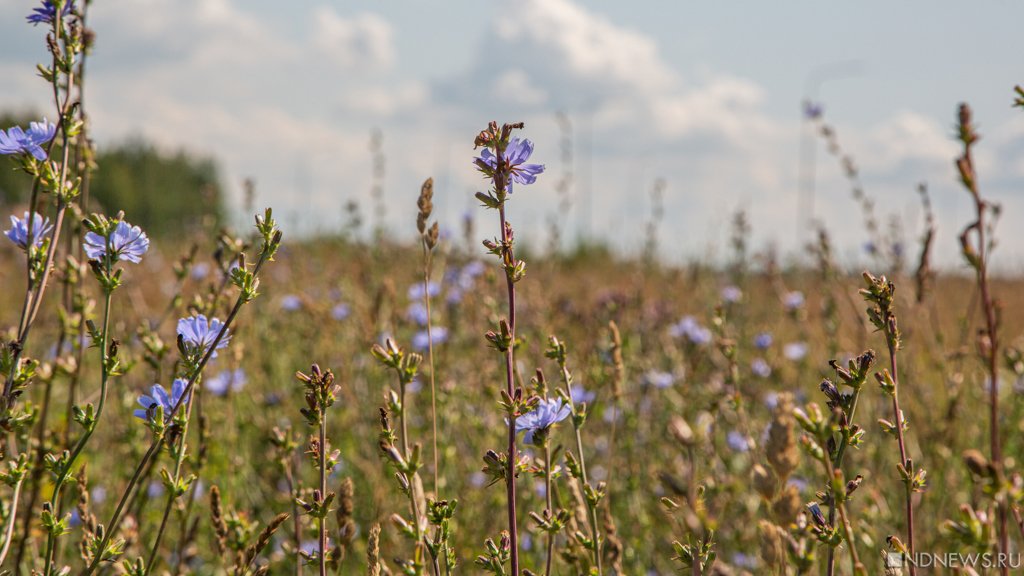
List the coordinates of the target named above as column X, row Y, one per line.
column 233, row 380
column 291, row 303
column 155, row 489
column 438, row 335
column 126, row 243
column 417, row 312
column 737, row 441
column 340, row 311
column 19, row 230
column 659, row 379
column 200, row 333
column 581, row 395
column 200, row 271
column 691, row 329
column 15, row 140
column 454, row 297
column 731, row 294
column 760, row 368
column 793, row 300
column 516, row 154
column 46, row 13
column 763, row 341
column 158, row 397
column 98, row 494
column 416, row 290
column 548, row 412
column 812, row 110
column 771, row 400
column 795, row 351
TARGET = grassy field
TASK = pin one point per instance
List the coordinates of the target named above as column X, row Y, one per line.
column 329, row 301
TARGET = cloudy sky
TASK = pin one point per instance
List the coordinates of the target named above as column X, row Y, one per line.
column 705, row 95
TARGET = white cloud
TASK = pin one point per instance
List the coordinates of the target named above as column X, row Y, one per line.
column 363, row 42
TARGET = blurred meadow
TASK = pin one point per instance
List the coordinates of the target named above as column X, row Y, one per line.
column 660, row 327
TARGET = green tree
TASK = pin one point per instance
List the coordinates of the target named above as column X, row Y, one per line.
column 165, row 193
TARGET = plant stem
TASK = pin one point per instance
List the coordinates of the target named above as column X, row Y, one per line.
column 904, row 462
column 321, row 521
column 510, row 474
column 9, row 532
column 430, row 358
column 104, row 377
column 592, row 516
column 550, row 508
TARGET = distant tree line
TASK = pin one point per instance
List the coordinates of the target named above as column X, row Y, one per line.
column 165, row 193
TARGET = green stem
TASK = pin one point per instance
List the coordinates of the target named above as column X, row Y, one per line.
column 105, row 375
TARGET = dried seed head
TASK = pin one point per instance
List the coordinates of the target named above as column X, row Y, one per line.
column 781, row 447
column 787, row 506
column 764, row 482
column 682, row 432
column 373, row 551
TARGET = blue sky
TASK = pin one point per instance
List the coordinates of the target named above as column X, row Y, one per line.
column 706, row 95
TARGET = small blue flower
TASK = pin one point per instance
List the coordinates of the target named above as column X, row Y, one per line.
column 233, row 380
column 158, row 397
column 19, row 230
column 581, row 395
column 516, row 154
column 340, row 311
column 732, row 294
column 762, row 341
column 200, row 271
column 737, row 441
column 812, row 110
column 46, row 13
column 692, row 330
column 417, row 312
column 200, row 333
column 659, row 379
column 438, row 335
column 760, row 368
column 795, row 351
column 416, row 290
column 15, row 140
column 793, row 300
column 127, row 243
column 548, row 412
column 291, row 303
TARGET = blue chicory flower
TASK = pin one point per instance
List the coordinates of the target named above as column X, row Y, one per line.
column 438, row 335
column 340, row 311
column 158, row 397
column 233, row 380
column 659, row 379
column 291, row 303
column 549, row 411
column 127, row 243
column 795, row 351
column 737, row 441
column 760, row 368
column 731, row 294
column 762, row 341
column 416, row 290
column 515, row 156
column 46, row 13
column 200, row 333
column 417, row 312
column 581, row 395
column 692, row 330
column 19, row 230
column 15, row 140
column 793, row 300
